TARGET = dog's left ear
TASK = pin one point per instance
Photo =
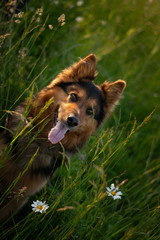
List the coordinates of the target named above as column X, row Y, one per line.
column 111, row 93
column 86, row 68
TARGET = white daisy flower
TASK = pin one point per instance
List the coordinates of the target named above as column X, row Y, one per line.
column 113, row 192
column 39, row 206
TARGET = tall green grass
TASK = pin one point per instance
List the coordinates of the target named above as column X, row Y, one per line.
column 125, row 37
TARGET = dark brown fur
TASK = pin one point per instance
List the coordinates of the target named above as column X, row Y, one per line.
column 33, row 159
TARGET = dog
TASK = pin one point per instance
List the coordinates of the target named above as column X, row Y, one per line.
column 42, row 130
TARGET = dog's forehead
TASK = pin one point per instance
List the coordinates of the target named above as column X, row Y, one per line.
column 91, row 89
column 88, row 89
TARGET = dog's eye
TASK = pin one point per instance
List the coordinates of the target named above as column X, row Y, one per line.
column 73, row 97
column 89, row 111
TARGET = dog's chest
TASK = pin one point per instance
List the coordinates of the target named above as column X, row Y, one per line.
column 39, row 172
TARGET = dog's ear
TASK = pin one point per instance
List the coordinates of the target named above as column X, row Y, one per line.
column 85, row 69
column 111, row 93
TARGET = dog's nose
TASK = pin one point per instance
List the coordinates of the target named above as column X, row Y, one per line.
column 72, row 121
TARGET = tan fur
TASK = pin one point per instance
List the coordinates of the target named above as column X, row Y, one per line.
column 24, row 170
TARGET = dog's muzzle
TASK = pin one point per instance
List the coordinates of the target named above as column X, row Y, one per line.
column 58, row 132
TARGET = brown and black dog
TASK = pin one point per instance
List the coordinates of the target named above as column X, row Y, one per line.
column 37, row 136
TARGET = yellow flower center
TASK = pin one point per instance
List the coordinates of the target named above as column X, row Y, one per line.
column 113, row 193
column 40, row 207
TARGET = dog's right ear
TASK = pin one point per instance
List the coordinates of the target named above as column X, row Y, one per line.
column 85, row 69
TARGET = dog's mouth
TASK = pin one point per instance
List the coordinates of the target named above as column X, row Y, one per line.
column 58, row 132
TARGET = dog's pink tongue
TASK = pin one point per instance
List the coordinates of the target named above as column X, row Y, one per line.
column 57, row 133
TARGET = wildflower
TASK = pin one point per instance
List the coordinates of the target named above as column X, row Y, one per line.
column 38, row 20
column 61, row 18
column 39, row 11
column 50, row 26
column 39, row 206
column 79, row 19
column 11, row 3
column 62, row 23
column 113, row 192
column 23, row 53
column 19, row 15
column 17, row 21
column 20, row 192
column 79, row 3
column 4, row 36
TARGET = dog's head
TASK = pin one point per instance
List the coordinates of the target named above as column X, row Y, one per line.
column 81, row 106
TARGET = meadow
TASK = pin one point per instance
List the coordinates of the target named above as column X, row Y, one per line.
column 125, row 37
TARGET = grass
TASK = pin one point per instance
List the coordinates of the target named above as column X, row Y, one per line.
column 125, row 36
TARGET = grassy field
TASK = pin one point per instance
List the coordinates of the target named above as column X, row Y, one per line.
column 125, row 36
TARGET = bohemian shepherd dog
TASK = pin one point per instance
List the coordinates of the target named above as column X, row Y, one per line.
column 60, row 118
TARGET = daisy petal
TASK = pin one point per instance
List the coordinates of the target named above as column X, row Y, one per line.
column 116, row 197
column 119, row 193
column 112, row 186
column 109, row 194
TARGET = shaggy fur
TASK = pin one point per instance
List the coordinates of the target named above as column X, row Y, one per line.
column 31, row 159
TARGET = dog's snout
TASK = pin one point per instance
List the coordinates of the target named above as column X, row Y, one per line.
column 72, row 121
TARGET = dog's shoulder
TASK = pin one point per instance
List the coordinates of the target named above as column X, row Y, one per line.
column 16, row 119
